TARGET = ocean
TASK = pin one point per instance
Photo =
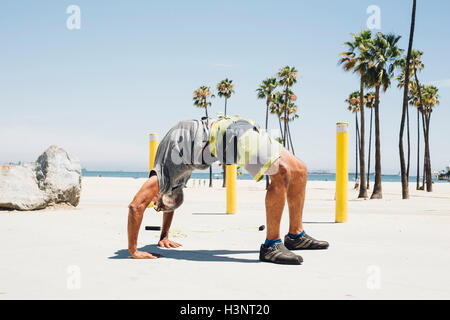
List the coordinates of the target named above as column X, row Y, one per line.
column 312, row 176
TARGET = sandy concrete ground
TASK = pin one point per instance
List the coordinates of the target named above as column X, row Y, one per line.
column 389, row 249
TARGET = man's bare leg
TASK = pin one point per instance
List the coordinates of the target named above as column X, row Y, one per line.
column 146, row 194
column 297, row 239
column 289, row 182
column 296, row 191
column 276, row 199
column 274, row 250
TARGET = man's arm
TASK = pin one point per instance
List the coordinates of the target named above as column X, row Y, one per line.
column 164, row 239
column 135, row 214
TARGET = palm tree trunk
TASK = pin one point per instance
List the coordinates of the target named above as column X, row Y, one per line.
column 290, row 139
column 427, row 146
column 281, row 128
column 286, row 116
column 418, row 128
column 377, row 188
column 418, row 151
column 408, row 164
column 285, row 130
column 362, row 157
column 424, row 125
column 427, row 177
column 370, row 149
column 418, row 131
column 424, row 174
column 404, row 169
column 267, row 128
column 226, row 106
column 288, row 146
column 210, row 167
column 224, row 182
column 425, row 163
column 356, row 149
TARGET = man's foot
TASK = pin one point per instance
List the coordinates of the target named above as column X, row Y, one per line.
column 304, row 242
column 278, row 253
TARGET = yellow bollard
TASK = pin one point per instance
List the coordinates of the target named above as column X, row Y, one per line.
column 152, row 155
column 231, row 188
column 153, row 148
column 341, row 171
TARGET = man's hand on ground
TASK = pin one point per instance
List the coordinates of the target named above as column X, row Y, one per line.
column 143, row 255
column 166, row 243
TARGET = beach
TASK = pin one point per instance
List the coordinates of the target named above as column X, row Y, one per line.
column 389, row 249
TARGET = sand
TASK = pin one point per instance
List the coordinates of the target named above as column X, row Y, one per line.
column 389, row 249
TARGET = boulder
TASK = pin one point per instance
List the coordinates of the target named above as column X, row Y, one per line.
column 54, row 178
column 59, row 175
column 19, row 189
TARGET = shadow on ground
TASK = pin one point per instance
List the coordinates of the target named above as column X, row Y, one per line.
column 192, row 255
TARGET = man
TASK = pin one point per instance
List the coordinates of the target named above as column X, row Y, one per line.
column 197, row 144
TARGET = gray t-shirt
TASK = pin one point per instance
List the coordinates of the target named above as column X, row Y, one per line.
column 182, row 150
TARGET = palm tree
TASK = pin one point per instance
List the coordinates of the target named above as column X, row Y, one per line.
column 292, row 115
column 287, row 77
column 265, row 91
column 430, row 99
column 369, row 98
column 225, row 89
column 356, row 59
column 277, row 107
column 291, row 108
column 354, row 107
column 201, row 98
column 415, row 98
column 383, row 56
column 425, row 98
column 405, row 114
column 416, row 101
column 417, row 65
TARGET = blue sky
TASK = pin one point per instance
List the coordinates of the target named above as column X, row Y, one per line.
column 131, row 69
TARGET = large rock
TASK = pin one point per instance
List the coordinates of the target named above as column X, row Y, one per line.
column 19, row 189
column 59, row 175
column 54, row 178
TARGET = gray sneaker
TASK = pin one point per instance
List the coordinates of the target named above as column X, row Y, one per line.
column 305, row 242
column 279, row 254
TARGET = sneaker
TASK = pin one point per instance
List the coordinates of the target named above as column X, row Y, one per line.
column 305, row 242
column 279, row 254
